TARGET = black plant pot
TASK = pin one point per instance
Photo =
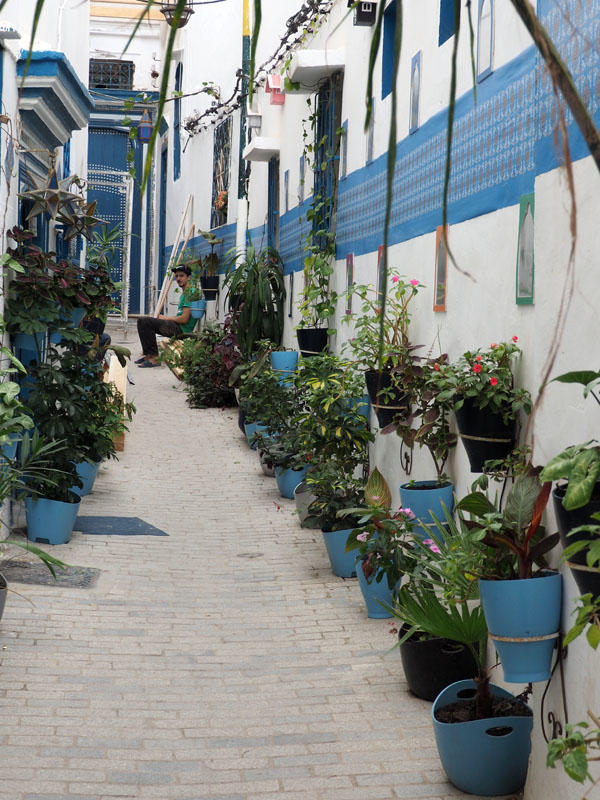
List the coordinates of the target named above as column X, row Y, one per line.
column 485, row 436
column 312, row 341
column 210, row 286
column 386, row 410
column 586, row 578
column 3, row 593
column 432, row 664
column 241, row 420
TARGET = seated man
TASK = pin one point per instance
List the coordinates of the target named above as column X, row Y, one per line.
column 148, row 327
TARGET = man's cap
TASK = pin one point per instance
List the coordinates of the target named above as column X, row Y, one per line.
column 182, row 268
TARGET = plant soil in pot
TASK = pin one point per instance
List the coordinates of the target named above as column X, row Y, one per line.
column 431, row 663
column 587, row 578
column 387, row 408
column 312, row 341
column 482, row 756
column 484, row 434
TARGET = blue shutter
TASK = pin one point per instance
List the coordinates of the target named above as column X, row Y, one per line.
column 446, row 20
column 177, row 124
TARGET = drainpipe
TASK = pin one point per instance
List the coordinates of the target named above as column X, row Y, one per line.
column 242, row 204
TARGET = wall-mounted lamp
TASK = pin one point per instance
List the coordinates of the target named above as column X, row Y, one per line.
column 168, row 11
column 144, row 128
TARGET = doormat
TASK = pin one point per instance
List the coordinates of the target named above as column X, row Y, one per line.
column 116, row 526
column 17, row 571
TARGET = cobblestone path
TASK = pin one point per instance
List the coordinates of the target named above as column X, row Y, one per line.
column 221, row 662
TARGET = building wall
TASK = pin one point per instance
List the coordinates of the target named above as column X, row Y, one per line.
column 504, row 148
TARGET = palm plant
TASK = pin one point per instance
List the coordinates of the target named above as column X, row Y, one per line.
column 256, row 276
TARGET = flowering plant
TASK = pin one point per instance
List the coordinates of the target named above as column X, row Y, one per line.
column 382, row 540
column 485, row 377
column 221, row 200
column 365, row 345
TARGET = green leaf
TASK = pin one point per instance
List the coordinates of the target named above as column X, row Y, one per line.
column 377, row 492
column 593, row 636
column 476, row 503
column 576, row 765
column 582, row 377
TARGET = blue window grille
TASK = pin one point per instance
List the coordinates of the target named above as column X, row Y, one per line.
column 177, row 123
column 344, row 150
column 387, row 58
column 273, row 204
column 447, row 29
column 67, row 158
column 108, row 73
column 221, row 159
column 326, row 163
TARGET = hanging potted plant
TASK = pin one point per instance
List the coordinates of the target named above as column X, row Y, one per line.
column 209, row 279
column 319, row 300
column 389, row 363
column 381, row 542
column 481, row 387
column 520, row 595
column 428, row 426
column 577, row 503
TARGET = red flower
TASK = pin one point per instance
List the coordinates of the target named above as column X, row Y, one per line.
column 476, row 367
column 493, row 381
column 436, row 367
column 515, row 338
column 478, row 358
column 494, row 345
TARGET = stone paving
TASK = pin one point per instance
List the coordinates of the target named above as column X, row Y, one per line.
column 224, row 662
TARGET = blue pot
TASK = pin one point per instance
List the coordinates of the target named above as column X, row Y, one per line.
column 523, row 609
column 250, row 428
column 375, row 594
column 288, row 479
column 50, row 521
column 284, row 363
column 425, row 498
column 198, row 308
column 474, row 759
column 343, row 564
column 9, row 450
column 86, row 472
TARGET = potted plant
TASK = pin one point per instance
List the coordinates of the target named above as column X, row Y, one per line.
column 382, row 544
column 381, row 346
column 428, row 426
column 210, row 266
column 577, row 504
column 482, row 732
column 257, row 277
column 481, row 387
column 521, row 597
column 318, row 302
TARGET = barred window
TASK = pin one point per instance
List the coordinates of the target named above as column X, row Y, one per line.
column 111, row 74
column 222, row 151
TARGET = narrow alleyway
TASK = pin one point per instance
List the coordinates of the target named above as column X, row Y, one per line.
column 220, row 662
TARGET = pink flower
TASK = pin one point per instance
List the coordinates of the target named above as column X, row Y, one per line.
column 494, row 381
column 478, row 358
column 414, row 282
column 494, row 345
column 407, row 513
column 432, row 545
column 395, row 279
column 515, row 338
column 476, row 367
column 362, row 537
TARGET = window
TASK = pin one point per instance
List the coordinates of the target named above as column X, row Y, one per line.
column 344, row 150
column 485, row 38
column 273, row 204
column 525, row 260
column 177, row 123
column 111, row 74
column 370, row 135
column 291, row 296
column 67, row 158
column 441, row 270
column 221, row 157
column 387, row 53
column 349, row 281
column 447, row 29
column 415, row 90
column 326, row 157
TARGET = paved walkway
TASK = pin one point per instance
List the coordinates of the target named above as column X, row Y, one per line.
column 223, row 662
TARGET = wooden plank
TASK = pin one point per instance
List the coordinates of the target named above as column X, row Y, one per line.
column 117, row 375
